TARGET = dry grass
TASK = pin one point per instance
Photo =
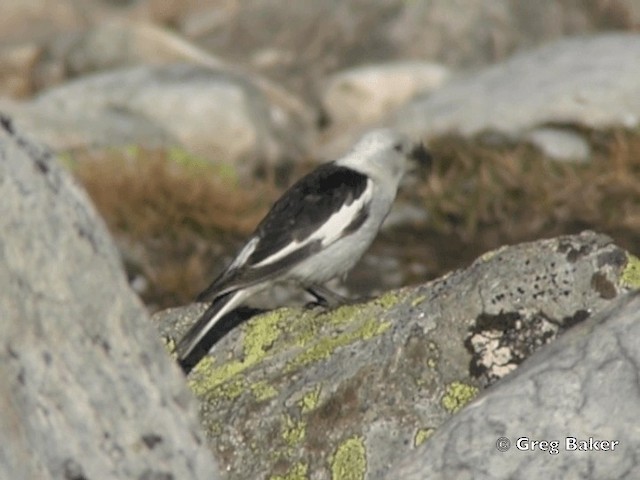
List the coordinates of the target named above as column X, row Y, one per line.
column 147, row 193
column 173, row 218
column 515, row 193
column 178, row 222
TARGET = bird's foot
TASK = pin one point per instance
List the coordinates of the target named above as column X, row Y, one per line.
column 328, row 299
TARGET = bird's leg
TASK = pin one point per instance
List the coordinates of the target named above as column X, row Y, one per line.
column 327, row 298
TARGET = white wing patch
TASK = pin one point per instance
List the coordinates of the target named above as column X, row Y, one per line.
column 328, row 232
column 244, row 254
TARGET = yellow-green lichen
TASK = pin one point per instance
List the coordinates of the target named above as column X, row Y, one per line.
column 390, row 299
column 422, row 435
column 631, row 274
column 325, row 346
column 457, row 396
column 310, row 399
column 350, row 460
column 293, row 431
column 418, row 300
column 432, row 359
column 229, row 390
column 260, row 333
column 170, row 346
column 297, row 472
column 263, row 391
column 485, row 257
column 343, row 315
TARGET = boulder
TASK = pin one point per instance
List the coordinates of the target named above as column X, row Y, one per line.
column 352, row 391
column 88, row 390
column 569, row 412
column 218, row 115
column 570, row 81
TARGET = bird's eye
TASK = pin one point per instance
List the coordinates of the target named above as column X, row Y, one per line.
column 398, row 147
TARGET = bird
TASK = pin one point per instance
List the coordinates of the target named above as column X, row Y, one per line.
column 316, row 231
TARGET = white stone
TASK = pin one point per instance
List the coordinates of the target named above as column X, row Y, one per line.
column 560, row 144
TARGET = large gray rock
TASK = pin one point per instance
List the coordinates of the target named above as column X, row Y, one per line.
column 583, row 386
column 218, row 115
column 87, row 390
column 589, row 81
column 352, row 391
column 115, row 45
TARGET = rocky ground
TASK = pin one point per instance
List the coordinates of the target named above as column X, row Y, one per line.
column 185, row 120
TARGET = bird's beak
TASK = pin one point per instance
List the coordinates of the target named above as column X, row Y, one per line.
column 422, row 157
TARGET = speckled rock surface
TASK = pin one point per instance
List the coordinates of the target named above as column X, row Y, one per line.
column 87, row 391
column 311, row 394
column 583, row 386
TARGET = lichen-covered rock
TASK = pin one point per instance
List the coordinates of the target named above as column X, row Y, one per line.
column 578, row 397
column 87, row 391
column 355, row 389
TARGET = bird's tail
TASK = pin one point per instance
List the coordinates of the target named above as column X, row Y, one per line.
column 194, row 345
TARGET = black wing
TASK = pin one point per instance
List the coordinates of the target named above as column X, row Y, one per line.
column 298, row 213
column 310, row 202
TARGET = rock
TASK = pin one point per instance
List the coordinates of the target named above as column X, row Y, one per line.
column 313, row 39
column 68, row 130
column 87, row 390
column 560, row 144
column 17, row 63
column 467, row 34
column 366, row 94
column 567, row 82
column 119, row 44
column 583, row 386
column 122, row 43
column 355, row 389
column 217, row 115
column 25, row 19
